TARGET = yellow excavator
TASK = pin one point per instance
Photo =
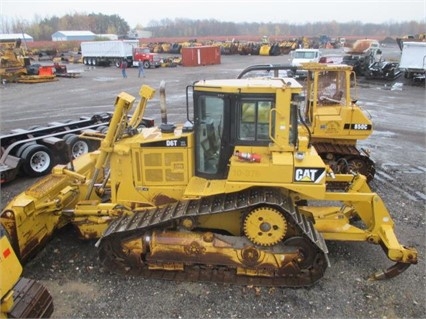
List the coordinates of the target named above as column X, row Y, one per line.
column 20, row 297
column 230, row 195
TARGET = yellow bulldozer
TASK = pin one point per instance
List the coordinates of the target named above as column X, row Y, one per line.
column 13, row 61
column 236, row 194
column 20, row 297
column 15, row 65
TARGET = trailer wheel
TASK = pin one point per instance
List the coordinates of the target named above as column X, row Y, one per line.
column 102, row 129
column 38, row 160
column 77, row 145
column 21, row 148
column 67, row 136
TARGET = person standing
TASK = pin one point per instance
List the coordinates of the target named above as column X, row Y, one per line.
column 141, row 69
column 123, row 67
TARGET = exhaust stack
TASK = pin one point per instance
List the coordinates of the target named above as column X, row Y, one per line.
column 163, row 102
column 164, row 127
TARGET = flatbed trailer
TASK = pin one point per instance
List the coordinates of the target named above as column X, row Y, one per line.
column 34, row 151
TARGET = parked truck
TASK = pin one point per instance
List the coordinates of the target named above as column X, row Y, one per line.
column 149, row 59
column 108, row 52
column 300, row 56
column 413, row 61
column 113, row 52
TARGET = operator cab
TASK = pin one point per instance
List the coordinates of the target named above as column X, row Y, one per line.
column 235, row 114
column 328, row 89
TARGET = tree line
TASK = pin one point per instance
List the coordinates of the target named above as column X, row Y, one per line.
column 41, row 29
column 203, row 28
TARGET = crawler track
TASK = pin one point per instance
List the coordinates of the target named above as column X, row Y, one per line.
column 32, row 300
column 346, row 158
column 306, row 243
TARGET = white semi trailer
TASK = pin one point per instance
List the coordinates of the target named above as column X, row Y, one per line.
column 108, row 52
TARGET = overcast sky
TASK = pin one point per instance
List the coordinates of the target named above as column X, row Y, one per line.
column 291, row 11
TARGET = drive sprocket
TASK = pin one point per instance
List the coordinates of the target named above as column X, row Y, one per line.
column 265, row 226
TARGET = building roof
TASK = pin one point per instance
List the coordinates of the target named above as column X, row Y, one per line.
column 108, row 35
column 75, row 33
column 14, row 36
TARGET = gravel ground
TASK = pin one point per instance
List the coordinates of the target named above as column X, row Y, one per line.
column 81, row 288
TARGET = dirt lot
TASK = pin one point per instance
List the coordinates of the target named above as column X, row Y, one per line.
column 81, row 288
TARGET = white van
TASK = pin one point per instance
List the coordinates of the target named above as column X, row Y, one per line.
column 300, row 56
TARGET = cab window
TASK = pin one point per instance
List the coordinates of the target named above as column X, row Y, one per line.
column 253, row 120
column 331, row 88
column 208, row 133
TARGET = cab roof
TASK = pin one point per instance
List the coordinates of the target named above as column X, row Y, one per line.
column 249, row 84
column 315, row 66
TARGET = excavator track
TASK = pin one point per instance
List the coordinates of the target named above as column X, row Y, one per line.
column 347, row 158
column 149, row 222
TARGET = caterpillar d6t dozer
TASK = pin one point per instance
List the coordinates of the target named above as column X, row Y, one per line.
column 235, row 194
column 333, row 119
